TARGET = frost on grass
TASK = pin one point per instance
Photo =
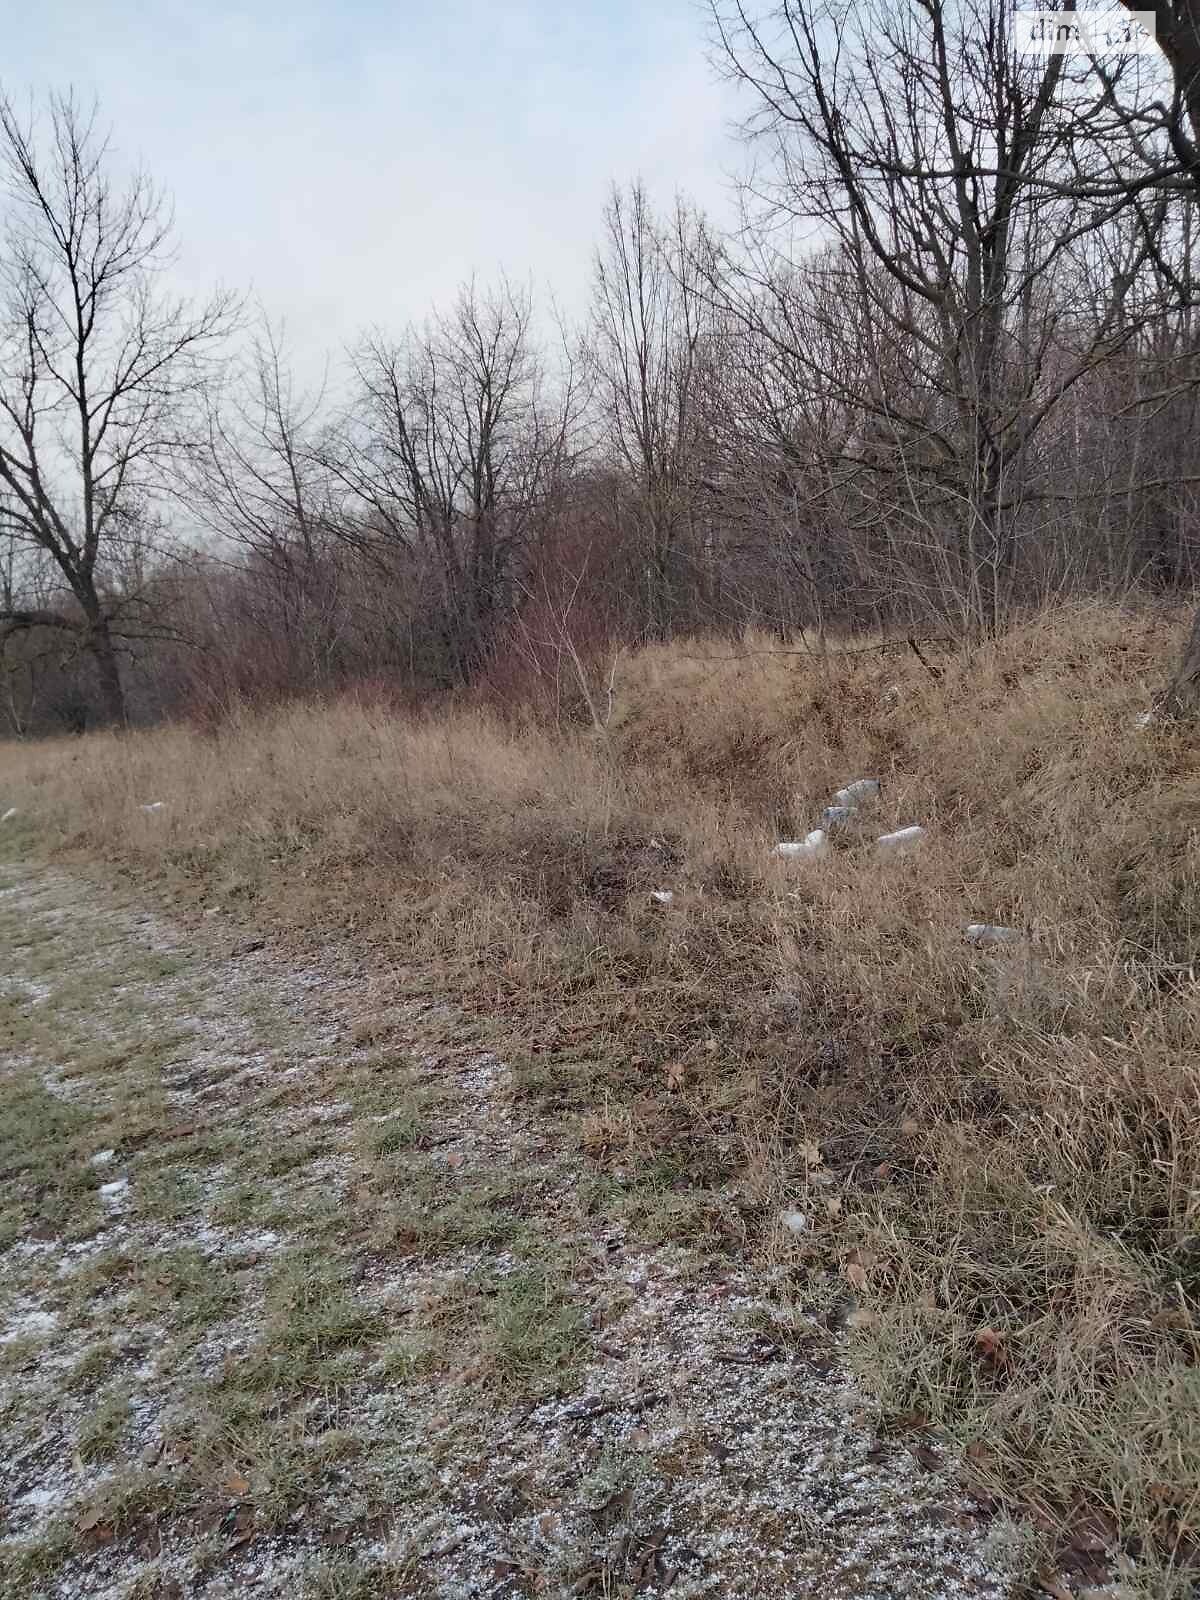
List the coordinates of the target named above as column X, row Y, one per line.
column 698, row 1456
column 24, row 1319
column 295, row 1299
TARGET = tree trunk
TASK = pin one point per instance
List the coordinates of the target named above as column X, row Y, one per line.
column 108, row 673
column 1182, row 696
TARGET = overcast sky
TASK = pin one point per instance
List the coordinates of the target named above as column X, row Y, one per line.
column 352, row 163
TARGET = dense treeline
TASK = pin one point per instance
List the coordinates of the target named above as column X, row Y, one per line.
column 945, row 370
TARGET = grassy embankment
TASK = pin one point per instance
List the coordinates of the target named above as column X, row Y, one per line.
column 998, row 1152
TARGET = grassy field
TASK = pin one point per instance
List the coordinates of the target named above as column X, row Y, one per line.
column 995, row 1152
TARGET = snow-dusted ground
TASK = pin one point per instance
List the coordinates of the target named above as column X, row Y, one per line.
column 703, row 1442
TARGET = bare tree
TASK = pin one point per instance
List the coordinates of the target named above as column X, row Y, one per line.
column 1175, row 125
column 261, row 484
column 97, row 370
column 452, row 451
column 962, row 182
column 646, row 328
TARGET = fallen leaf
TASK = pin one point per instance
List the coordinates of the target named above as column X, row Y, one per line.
column 909, row 1128
column 855, row 1275
column 1164, row 1494
column 1170, row 1317
column 991, row 1349
column 1093, row 1534
column 812, row 1154
column 676, row 1074
column 1049, row 1584
column 236, row 1484
column 833, row 1205
column 857, row 1265
column 927, row 1457
column 455, row 1159
column 639, row 1439
column 883, row 1170
column 978, row 1453
column 860, row 1320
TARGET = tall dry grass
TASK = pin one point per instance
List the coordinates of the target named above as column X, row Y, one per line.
column 998, row 1152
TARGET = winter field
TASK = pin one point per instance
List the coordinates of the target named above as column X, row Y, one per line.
column 450, row 1155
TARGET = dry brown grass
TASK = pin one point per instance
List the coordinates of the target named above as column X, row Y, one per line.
column 1009, row 1140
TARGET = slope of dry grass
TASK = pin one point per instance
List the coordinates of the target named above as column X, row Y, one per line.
column 996, row 1152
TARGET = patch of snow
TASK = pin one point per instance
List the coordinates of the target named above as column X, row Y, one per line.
column 36, row 1499
column 28, row 1321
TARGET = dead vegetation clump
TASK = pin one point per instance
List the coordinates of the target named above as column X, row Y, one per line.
column 994, row 1152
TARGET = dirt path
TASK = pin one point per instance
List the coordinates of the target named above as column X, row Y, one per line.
column 293, row 1301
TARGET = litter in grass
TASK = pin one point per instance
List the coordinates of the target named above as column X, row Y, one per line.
column 988, row 933
column 856, row 793
column 902, row 839
column 815, row 843
column 679, row 1435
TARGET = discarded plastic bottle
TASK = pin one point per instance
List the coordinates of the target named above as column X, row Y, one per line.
column 813, row 844
column 858, row 791
column 991, row 933
column 902, row 839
